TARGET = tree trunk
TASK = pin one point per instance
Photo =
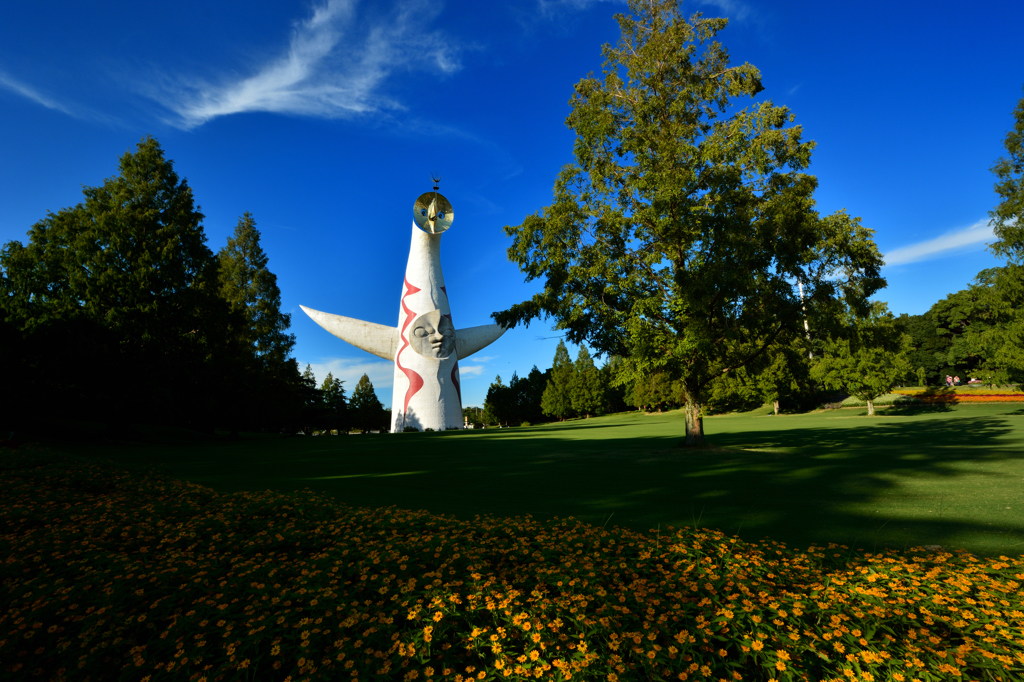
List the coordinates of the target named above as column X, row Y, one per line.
column 871, row 408
column 775, row 404
column 694, row 424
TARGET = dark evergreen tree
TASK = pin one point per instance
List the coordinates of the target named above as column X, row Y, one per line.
column 312, row 412
column 128, row 276
column 365, row 408
column 530, row 395
column 498, row 403
column 585, row 390
column 251, row 290
column 556, row 400
column 335, row 406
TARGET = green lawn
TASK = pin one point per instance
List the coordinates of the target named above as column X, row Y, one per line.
column 950, row 476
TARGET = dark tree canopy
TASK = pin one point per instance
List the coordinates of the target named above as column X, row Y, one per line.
column 125, row 286
column 678, row 235
column 113, row 311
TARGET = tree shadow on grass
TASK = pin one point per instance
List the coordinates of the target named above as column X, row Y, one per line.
column 911, row 409
column 921, row 479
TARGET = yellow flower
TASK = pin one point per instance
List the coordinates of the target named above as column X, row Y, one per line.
column 779, row 665
column 782, row 654
column 756, row 645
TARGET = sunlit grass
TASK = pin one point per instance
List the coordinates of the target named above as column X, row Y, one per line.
column 942, row 475
column 114, row 575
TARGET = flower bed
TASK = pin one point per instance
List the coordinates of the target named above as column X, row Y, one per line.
column 961, row 398
column 973, row 396
column 108, row 574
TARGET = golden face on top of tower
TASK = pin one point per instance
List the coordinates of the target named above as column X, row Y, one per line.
column 433, row 212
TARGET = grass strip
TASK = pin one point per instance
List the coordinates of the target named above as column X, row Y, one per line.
column 131, row 575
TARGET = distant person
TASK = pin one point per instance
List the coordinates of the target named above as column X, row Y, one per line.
column 956, row 381
column 949, row 380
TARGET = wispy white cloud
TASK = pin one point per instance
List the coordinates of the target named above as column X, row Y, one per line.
column 977, row 234
column 350, row 370
column 471, row 370
column 335, row 66
column 7, row 82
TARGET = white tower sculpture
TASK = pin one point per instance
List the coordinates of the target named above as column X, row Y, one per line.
column 425, row 346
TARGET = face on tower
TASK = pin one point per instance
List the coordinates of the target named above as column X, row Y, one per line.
column 432, row 335
column 433, row 213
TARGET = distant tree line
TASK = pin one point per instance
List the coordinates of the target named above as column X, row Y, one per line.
column 116, row 311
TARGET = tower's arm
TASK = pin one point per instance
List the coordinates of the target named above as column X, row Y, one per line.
column 378, row 339
column 472, row 339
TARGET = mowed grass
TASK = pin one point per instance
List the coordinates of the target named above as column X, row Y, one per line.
column 135, row 575
column 946, row 475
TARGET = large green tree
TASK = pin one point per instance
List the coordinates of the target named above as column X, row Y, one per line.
column 964, row 321
column 867, row 358
column 1008, row 215
column 1006, row 338
column 123, row 287
column 679, row 234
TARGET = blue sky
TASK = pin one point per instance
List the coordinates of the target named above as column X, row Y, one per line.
column 325, row 119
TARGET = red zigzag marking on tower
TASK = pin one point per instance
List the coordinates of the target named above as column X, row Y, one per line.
column 415, row 380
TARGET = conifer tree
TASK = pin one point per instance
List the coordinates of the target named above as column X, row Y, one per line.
column 557, row 399
column 365, row 408
column 251, row 289
column 127, row 275
column 585, row 391
column 335, row 407
column 496, row 404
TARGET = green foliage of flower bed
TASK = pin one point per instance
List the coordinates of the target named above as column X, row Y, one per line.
column 880, row 401
column 109, row 574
